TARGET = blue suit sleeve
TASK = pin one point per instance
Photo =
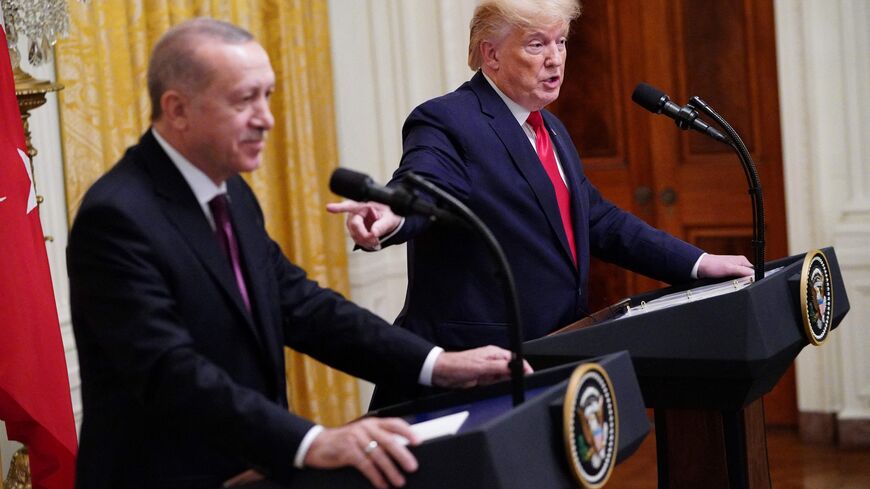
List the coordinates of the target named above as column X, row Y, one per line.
column 432, row 150
column 617, row 236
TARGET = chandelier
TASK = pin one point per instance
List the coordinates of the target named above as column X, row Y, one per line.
column 40, row 22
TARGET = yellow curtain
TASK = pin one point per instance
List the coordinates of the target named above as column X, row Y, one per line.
column 105, row 108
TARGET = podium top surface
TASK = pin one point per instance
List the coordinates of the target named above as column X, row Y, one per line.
column 739, row 342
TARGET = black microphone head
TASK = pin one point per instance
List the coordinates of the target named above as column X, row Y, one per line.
column 350, row 184
column 649, row 97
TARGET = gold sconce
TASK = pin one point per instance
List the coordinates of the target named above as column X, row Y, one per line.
column 40, row 22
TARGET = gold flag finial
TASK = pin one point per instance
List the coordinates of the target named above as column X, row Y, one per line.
column 19, row 471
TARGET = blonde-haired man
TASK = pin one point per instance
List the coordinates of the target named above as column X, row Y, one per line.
column 492, row 145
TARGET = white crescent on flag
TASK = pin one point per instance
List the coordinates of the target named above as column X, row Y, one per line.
column 31, row 195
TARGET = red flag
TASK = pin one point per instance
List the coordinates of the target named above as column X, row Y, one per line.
column 34, row 388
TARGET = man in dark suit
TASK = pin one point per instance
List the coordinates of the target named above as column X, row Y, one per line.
column 491, row 145
column 182, row 304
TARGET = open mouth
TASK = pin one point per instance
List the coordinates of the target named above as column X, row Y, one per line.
column 552, row 81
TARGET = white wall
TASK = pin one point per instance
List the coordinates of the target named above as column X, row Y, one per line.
column 388, row 56
column 824, row 76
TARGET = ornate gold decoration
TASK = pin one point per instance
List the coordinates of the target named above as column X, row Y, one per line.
column 31, row 94
column 41, row 22
column 19, row 471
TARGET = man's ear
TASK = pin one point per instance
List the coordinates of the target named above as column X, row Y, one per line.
column 175, row 108
column 489, row 54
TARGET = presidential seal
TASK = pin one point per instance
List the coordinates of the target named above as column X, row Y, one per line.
column 817, row 305
column 590, row 425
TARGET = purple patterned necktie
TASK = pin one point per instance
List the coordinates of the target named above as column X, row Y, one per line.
column 227, row 241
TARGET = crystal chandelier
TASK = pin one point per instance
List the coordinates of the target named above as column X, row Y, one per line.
column 41, row 22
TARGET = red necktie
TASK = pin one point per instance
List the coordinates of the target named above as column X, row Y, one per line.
column 227, row 241
column 544, row 147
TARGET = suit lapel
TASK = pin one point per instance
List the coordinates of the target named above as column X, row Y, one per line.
column 523, row 155
column 184, row 212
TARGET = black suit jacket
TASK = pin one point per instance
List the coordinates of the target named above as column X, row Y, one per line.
column 181, row 386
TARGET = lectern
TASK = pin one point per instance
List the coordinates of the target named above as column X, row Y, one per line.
column 500, row 446
column 705, row 354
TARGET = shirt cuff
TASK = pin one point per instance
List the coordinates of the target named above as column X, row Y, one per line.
column 305, row 445
column 377, row 247
column 697, row 264
column 429, row 366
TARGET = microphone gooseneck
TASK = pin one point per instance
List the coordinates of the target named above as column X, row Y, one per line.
column 686, row 117
column 752, row 179
column 510, row 288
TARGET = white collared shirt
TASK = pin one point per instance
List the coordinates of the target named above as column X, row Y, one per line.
column 521, row 114
column 202, row 186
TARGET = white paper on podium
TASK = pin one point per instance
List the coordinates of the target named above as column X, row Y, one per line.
column 433, row 428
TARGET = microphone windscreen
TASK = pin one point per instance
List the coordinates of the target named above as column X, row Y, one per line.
column 649, row 97
column 350, row 184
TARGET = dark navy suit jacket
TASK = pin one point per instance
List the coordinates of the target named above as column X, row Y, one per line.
column 468, row 143
column 182, row 386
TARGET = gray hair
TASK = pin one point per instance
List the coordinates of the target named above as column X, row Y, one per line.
column 493, row 20
column 174, row 63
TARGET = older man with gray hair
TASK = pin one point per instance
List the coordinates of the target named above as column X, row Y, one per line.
column 492, row 145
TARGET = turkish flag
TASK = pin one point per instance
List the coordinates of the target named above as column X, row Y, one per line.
column 34, row 388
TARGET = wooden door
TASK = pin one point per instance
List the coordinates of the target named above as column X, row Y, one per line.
column 693, row 187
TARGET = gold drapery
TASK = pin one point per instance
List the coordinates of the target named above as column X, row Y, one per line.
column 105, row 108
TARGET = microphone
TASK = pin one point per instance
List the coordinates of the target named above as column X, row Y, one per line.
column 360, row 187
column 686, row 117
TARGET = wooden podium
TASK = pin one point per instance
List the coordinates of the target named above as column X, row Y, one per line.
column 703, row 364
